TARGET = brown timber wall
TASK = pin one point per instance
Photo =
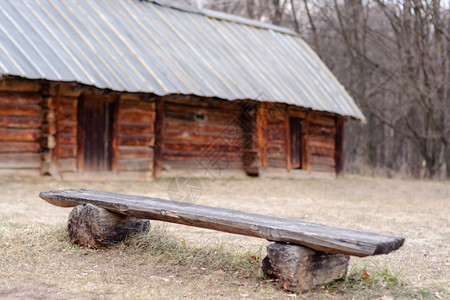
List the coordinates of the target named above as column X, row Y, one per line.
column 135, row 134
column 66, row 103
column 321, row 143
column 275, row 137
column 38, row 131
column 20, row 126
column 201, row 133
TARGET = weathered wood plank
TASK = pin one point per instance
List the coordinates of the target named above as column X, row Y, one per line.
column 315, row 236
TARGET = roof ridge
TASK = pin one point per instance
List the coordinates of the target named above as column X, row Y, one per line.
column 221, row 16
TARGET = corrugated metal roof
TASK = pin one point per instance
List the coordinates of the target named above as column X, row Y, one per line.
column 139, row 46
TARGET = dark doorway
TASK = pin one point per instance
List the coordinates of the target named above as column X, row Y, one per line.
column 95, row 132
column 295, row 126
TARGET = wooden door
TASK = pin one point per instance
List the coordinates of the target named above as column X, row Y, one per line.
column 95, row 131
column 295, row 129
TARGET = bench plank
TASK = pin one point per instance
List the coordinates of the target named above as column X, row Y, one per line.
column 318, row 237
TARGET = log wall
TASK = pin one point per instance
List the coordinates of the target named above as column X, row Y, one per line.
column 66, row 102
column 38, row 131
column 135, row 134
column 201, row 133
column 321, row 143
column 20, row 125
column 275, row 137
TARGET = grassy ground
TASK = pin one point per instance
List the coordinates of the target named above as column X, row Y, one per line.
column 172, row 261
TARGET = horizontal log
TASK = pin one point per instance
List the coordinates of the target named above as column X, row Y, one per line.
column 321, row 121
column 66, row 138
column 209, row 128
column 67, row 165
column 276, row 153
column 190, row 146
column 65, row 126
column 20, row 135
column 23, row 110
column 19, row 85
column 207, row 121
column 170, row 136
column 276, row 124
column 67, row 115
column 130, row 106
column 171, row 109
column 202, row 102
column 16, row 147
column 326, row 132
column 209, row 169
column 70, row 90
column 294, row 111
column 202, row 156
column 20, row 160
column 318, row 237
column 131, row 97
column 275, row 135
column 20, row 98
column 20, row 122
column 322, row 168
column 132, row 128
column 321, row 143
column 136, row 139
column 320, row 151
column 134, row 164
column 276, row 162
column 68, row 104
column 67, row 151
column 322, row 160
column 135, row 152
column 144, row 117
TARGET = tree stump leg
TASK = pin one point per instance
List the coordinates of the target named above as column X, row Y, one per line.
column 95, row 227
column 299, row 268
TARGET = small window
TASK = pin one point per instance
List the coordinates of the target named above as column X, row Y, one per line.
column 200, row 117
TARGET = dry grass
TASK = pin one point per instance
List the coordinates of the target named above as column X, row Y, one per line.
column 172, row 261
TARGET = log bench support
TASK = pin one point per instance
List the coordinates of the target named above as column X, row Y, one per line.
column 300, row 268
column 96, row 227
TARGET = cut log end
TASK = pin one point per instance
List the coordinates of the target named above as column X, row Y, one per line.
column 96, row 227
column 300, row 269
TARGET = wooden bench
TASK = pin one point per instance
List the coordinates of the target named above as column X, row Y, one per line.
column 303, row 256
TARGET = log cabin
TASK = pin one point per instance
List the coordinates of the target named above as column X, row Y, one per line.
column 144, row 88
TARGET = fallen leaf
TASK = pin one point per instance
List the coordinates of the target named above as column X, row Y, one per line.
column 366, row 275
